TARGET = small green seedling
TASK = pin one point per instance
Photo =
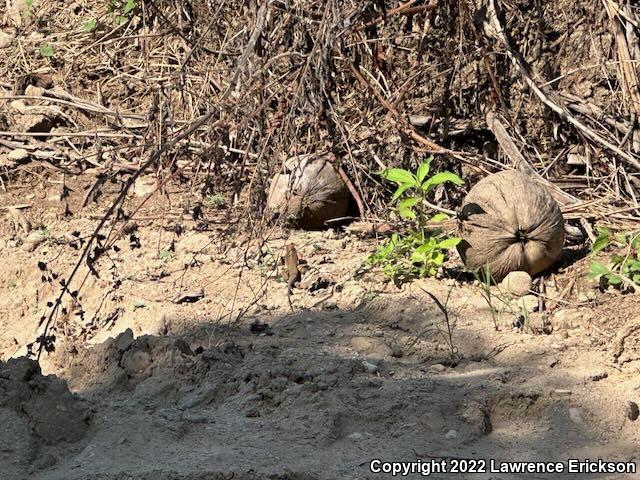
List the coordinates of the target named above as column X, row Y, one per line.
column 46, row 50
column 621, row 268
column 166, row 255
column 420, row 252
column 26, row 12
column 90, row 25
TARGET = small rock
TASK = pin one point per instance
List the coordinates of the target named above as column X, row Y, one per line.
column 259, row 327
column 562, row 392
column 451, row 434
column 632, row 411
column 516, row 283
column 528, row 302
column 5, row 39
column 574, row 415
column 33, row 91
column 567, row 319
column 34, row 240
column 45, row 461
column 371, row 346
column 436, row 368
column 330, row 305
column 396, row 351
column 355, row 436
column 144, row 185
column 553, row 362
column 19, row 106
column 135, row 361
column 160, row 326
column 370, row 367
column 477, row 415
column 17, row 154
column 183, row 346
column 124, row 340
column 586, row 297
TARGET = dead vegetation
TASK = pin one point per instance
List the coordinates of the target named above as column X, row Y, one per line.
column 212, row 98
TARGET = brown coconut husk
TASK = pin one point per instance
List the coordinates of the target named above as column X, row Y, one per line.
column 308, row 193
column 509, row 222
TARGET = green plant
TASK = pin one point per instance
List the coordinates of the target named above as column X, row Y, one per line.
column 166, row 254
column 421, row 251
column 46, row 50
column 621, row 268
column 122, row 9
column 214, row 200
column 26, row 12
column 90, row 25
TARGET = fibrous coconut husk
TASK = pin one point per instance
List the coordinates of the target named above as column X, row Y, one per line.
column 309, row 192
column 509, row 222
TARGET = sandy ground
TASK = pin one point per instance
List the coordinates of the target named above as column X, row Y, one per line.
column 236, row 385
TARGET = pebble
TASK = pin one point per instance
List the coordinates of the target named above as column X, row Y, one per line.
column 44, row 462
column 17, row 154
column 517, row 284
column 574, row 415
column 371, row 346
column 34, row 240
column 633, row 411
column 135, row 361
column 567, row 319
column 562, row 392
column 437, row 368
column 5, row 39
column 124, row 340
column 33, row 91
column 528, row 302
column 370, row 367
column 451, row 434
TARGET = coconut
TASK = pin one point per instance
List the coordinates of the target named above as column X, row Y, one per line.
column 308, row 193
column 509, row 222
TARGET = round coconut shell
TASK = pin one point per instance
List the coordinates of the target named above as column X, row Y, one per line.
column 309, row 192
column 509, row 222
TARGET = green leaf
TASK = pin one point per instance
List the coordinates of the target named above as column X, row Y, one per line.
column 442, row 177
column 448, row 243
column 408, row 202
column 614, row 279
column 406, row 213
column 596, row 269
column 601, row 243
column 635, row 241
column 423, row 170
column 129, row 6
column 438, row 259
column 401, row 189
column 440, row 217
column 617, row 259
column 90, row 25
column 46, row 50
column 399, row 176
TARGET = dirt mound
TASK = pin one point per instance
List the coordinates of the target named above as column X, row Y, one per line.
column 54, row 414
column 36, row 411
